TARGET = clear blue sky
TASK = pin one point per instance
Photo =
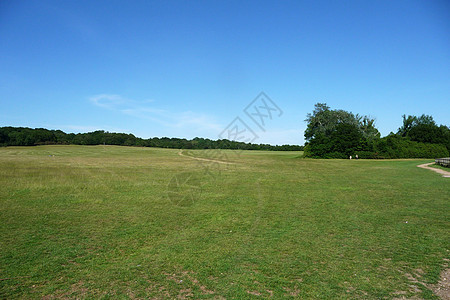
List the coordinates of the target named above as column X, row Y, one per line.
column 188, row 68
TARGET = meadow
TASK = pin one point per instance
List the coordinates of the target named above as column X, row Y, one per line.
column 130, row 222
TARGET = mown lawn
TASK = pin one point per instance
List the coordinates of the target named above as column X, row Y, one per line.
column 126, row 222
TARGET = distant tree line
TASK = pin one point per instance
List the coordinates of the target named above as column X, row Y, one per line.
column 22, row 136
column 341, row 134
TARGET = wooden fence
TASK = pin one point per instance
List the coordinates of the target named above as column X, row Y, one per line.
column 445, row 162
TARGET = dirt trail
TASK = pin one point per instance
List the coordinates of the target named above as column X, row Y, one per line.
column 440, row 171
column 442, row 288
column 205, row 159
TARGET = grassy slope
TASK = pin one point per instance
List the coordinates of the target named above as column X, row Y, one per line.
column 97, row 221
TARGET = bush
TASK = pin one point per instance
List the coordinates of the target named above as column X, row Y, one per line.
column 394, row 146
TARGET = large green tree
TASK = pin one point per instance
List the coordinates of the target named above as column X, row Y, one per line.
column 323, row 120
column 425, row 130
column 338, row 133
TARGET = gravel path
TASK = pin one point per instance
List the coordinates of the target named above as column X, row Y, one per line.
column 440, row 171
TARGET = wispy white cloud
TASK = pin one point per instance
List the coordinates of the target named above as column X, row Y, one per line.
column 186, row 123
column 281, row 137
column 81, row 128
column 141, row 109
column 107, row 101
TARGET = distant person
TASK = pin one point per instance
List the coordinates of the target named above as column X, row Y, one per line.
column 356, row 156
column 350, row 157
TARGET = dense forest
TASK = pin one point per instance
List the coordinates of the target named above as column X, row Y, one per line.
column 22, row 136
column 341, row 134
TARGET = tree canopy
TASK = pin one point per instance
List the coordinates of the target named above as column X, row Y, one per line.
column 340, row 134
column 424, row 129
column 22, row 136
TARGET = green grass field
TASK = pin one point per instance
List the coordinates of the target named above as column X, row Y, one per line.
column 124, row 222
